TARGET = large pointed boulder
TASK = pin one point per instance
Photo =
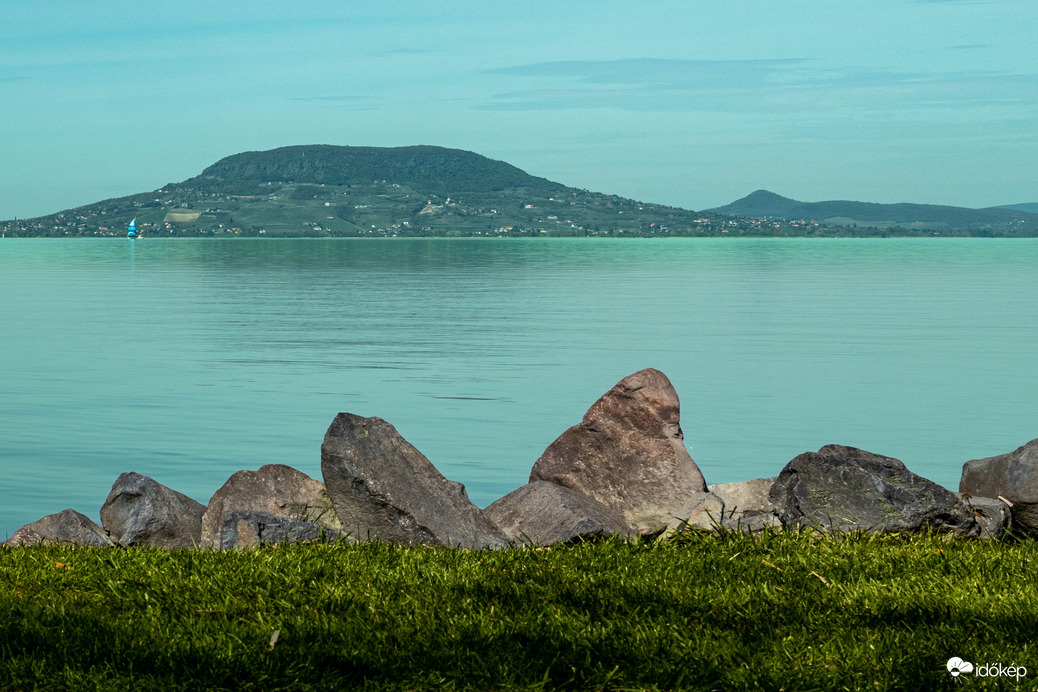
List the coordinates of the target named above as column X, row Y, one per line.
column 1012, row 476
column 385, row 489
column 841, row 489
column 628, row 453
column 68, row 526
column 542, row 513
column 140, row 511
column 273, row 489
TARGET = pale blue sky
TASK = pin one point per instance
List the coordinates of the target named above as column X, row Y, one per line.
column 687, row 102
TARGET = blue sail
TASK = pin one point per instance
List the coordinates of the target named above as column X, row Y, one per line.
column 131, row 230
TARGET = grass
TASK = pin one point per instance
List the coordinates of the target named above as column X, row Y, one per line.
column 780, row 611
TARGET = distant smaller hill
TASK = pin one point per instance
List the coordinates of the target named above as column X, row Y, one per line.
column 763, row 204
column 1031, row 207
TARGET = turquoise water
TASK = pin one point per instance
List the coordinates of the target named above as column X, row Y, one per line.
column 187, row 360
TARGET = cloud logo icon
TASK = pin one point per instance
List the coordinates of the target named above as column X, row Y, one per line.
column 956, row 666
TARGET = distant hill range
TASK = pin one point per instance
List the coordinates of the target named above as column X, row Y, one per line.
column 1031, row 207
column 338, row 191
column 416, row 191
column 767, row 205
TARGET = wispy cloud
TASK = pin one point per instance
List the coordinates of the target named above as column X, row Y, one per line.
column 658, row 73
column 405, row 51
column 636, row 84
column 773, row 86
column 345, row 102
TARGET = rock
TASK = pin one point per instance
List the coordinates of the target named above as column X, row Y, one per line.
column 68, row 526
column 702, row 511
column 744, row 506
column 274, row 489
column 745, row 496
column 628, row 453
column 140, row 511
column 748, row 505
column 846, row 489
column 384, row 489
column 753, row 522
column 1013, row 476
column 994, row 517
column 542, row 513
column 244, row 529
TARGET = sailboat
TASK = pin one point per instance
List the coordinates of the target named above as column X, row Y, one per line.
column 131, row 230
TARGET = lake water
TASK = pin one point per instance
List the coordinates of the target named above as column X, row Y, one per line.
column 187, row 360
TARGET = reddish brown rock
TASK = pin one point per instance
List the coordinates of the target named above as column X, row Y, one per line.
column 628, row 453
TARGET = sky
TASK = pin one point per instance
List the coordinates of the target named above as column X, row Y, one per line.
column 692, row 103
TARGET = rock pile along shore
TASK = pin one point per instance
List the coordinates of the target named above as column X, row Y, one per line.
column 624, row 470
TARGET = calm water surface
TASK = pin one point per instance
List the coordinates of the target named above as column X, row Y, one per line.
column 187, row 360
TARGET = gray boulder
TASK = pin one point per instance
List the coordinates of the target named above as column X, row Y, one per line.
column 1013, row 476
column 748, row 505
column 273, row 489
column 842, row 488
column 753, row 522
column 245, row 530
column 384, row 489
column 745, row 507
column 994, row 517
column 542, row 513
column 628, row 453
column 745, row 496
column 701, row 511
column 68, row 526
column 140, row 511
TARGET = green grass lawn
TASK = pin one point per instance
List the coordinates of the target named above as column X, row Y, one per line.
column 714, row 613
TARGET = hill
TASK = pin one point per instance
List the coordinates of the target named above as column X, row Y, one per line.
column 923, row 217
column 321, row 190
column 416, row 191
column 1031, row 207
column 431, row 169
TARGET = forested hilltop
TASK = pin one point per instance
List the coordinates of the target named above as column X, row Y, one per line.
column 419, row 191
